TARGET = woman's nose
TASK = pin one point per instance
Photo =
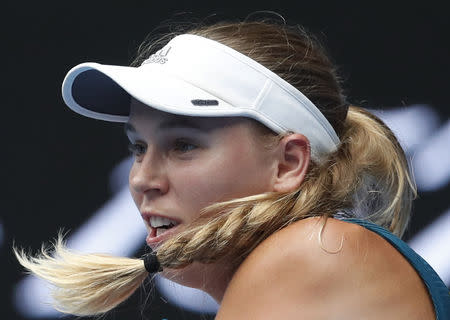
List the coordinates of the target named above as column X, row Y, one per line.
column 148, row 175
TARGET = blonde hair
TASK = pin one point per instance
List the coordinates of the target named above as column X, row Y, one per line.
column 367, row 177
column 84, row 284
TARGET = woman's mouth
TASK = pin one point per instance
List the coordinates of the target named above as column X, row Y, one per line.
column 161, row 228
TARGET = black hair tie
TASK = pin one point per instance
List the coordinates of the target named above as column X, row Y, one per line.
column 151, row 263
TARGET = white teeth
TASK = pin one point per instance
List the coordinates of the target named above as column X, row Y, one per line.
column 157, row 222
column 160, row 231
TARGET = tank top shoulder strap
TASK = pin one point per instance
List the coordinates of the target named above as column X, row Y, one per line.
column 437, row 289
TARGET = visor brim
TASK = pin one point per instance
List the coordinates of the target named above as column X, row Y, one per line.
column 104, row 92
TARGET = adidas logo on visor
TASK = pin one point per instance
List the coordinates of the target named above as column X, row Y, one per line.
column 159, row 57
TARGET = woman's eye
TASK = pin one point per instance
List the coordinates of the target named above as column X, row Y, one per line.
column 136, row 149
column 183, row 146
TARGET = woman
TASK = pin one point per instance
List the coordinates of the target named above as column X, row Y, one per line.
column 257, row 182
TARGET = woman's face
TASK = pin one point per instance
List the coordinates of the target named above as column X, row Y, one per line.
column 183, row 164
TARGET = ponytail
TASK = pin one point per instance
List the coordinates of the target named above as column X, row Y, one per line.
column 89, row 284
column 372, row 158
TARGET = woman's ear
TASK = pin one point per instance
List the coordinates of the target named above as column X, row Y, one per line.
column 293, row 162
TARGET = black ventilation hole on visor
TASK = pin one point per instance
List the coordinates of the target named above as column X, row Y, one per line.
column 199, row 102
column 97, row 92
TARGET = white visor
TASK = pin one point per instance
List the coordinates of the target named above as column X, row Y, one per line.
column 195, row 76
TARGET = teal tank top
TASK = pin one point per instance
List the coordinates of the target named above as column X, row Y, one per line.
column 438, row 291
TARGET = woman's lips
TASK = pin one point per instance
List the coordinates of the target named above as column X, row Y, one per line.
column 153, row 240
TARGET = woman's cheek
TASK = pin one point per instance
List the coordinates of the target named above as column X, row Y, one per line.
column 200, row 185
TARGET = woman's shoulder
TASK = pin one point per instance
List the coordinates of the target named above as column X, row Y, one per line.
column 316, row 267
column 321, row 247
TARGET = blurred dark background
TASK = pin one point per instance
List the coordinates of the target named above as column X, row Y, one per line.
column 56, row 164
